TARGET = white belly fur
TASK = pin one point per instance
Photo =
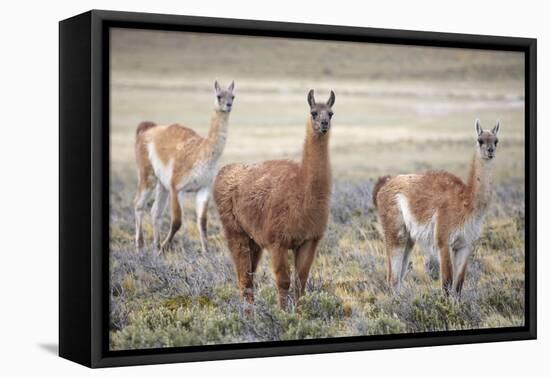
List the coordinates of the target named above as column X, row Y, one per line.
column 421, row 233
column 424, row 233
column 162, row 171
column 201, row 175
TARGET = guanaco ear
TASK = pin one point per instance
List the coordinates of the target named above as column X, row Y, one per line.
column 231, row 86
column 496, row 128
column 331, row 99
column 217, row 87
column 479, row 130
column 311, row 98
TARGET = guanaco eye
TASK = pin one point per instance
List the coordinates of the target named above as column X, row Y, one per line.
column 496, row 142
column 219, row 98
column 232, row 97
column 480, row 142
column 330, row 114
column 314, row 114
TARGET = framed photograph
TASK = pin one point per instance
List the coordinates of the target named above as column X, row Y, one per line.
column 234, row 188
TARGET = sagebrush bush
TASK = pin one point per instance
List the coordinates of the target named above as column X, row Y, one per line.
column 434, row 310
column 385, row 324
column 506, row 298
column 321, row 305
column 189, row 298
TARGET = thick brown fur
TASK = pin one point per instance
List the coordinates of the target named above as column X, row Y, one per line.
column 278, row 205
column 438, row 210
column 379, row 184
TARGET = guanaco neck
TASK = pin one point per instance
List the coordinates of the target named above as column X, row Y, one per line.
column 480, row 183
column 315, row 167
column 217, row 134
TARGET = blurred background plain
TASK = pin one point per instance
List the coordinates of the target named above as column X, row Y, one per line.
column 398, row 108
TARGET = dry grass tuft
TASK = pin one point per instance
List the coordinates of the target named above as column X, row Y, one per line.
column 188, row 298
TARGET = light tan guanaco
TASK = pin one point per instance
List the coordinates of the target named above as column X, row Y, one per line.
column 176, row 161
column 438, row 211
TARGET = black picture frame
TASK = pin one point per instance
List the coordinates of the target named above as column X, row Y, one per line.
column 84, row 187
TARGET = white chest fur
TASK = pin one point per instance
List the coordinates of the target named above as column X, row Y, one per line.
column 201, row 176
column 468, row 233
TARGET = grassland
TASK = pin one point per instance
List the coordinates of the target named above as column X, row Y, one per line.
column 398, row 110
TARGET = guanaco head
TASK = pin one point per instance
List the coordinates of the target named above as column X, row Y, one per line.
column 224, row 97
column 321, row 113
column 487, row 141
